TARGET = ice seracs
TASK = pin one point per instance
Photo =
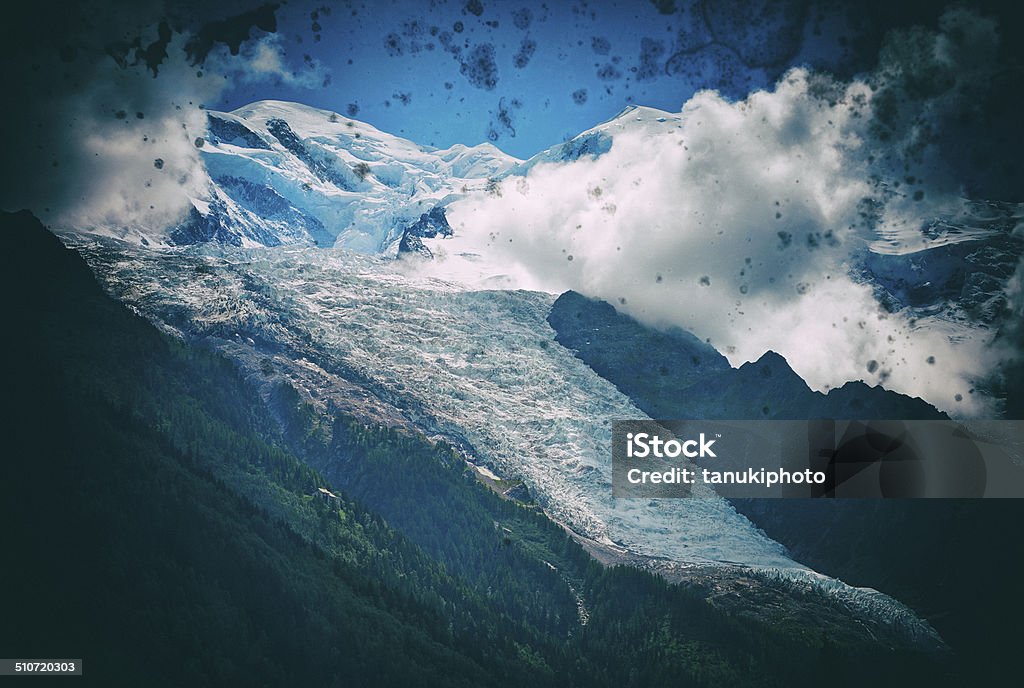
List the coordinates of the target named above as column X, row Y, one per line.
column 283, row 173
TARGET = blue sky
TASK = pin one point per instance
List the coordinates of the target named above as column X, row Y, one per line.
column 522, row 74
column 528, row 75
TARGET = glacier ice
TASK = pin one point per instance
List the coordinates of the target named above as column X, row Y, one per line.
column 482, row 366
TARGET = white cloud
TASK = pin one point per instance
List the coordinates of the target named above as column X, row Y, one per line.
column 118, row 154
column 745, row 223
column 115, row 180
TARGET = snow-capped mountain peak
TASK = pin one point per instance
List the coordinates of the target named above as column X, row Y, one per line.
column 285, row 173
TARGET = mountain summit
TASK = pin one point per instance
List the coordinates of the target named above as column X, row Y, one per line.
column 283, row 173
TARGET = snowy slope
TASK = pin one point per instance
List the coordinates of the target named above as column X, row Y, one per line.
column 648, row 122
column 283, row 173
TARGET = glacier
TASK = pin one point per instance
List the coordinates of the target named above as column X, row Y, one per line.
column 481, row 368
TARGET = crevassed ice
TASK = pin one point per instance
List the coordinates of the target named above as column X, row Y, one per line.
column 483, row 364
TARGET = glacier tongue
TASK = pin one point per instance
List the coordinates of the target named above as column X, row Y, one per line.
column 479, row 366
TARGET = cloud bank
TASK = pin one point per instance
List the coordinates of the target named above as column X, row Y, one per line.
column 747, row 223
column 105, row 107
